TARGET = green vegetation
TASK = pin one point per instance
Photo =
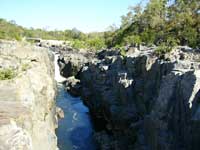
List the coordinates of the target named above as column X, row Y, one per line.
column 78, row 44
column 6, row 74
column 164, row 23
column 162, row 49
column 121, row 49
column 11, row 31
column 166, row 46
column 160, row 22
column 92, row 44
column 133, row 40
column 96, row 43
column 25, row 67
column 122, row 52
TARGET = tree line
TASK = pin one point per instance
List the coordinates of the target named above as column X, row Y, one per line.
column 160, row 22
column 164, row 23
column 9, row 30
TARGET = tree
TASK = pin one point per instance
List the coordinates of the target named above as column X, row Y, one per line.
column 184, row 21
column 159, row 21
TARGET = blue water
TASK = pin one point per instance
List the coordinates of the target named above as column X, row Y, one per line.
column 75, row 130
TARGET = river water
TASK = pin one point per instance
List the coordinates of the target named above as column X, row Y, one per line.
column 75, row 130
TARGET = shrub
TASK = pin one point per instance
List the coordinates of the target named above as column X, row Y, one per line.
column 96, row 43
column 134, row 39
column 167, row 46
column 148, row 37
column 190, row 37
column 121, row 50
column 6, row 74
column 162, row 49
column 171, row 42
column 77, row 44
column 25, row 67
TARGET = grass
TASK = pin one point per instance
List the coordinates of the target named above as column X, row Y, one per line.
column 25, row 67
column 7, row 74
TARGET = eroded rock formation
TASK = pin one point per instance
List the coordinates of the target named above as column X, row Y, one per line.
column 27, row 99
column 143, row 102
column 71, row 62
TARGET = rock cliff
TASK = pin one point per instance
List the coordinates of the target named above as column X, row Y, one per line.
column 27, row 98
column 71, row 62
column 143, row 102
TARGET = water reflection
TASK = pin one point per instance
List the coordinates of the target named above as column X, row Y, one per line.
column 75, row 130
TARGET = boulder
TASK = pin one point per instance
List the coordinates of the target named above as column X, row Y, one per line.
column 71, row 63
column 60, row 113
column 73, row 86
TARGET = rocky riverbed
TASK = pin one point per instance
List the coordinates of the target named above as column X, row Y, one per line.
column 137, row 101
column 140, row 101
column 27, row 98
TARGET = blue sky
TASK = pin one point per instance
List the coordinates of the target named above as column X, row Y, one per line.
column 85, row 15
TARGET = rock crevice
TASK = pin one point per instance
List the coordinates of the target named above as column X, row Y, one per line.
column 142, row 101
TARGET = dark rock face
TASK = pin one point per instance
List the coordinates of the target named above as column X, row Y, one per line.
column 140, row 101
column 72, row 85
column 146, row 103
column 71, row 62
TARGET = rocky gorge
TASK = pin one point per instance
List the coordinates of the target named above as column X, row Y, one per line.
column 100, row 75
column 27, row 97
column 139, row 101
column 136, row 101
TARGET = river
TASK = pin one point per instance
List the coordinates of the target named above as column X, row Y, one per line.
column 75, row 130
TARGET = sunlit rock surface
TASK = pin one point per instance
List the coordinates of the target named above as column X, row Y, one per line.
column 27, row 100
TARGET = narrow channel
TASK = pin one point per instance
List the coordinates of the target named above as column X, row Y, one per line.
column 75, row 130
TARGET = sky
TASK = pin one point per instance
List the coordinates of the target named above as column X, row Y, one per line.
column 85, row 15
